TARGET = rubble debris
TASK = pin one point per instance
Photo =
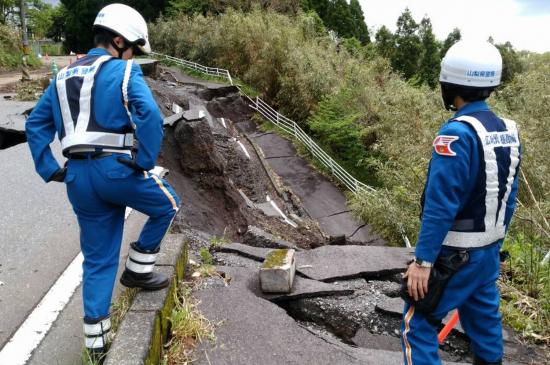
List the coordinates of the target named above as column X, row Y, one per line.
column 330, row 263
column 257, row 237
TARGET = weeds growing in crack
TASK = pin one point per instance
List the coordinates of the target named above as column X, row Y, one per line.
column 189, row 327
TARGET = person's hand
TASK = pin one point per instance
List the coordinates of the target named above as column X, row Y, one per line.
column 130, row 163
column 59, row 175
column 417, row 280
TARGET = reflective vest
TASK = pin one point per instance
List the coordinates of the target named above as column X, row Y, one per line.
column 75, row 85
column 481, row 221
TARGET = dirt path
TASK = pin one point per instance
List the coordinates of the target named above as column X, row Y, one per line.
column 9, row 78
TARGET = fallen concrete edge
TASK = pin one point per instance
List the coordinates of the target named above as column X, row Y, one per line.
column 144, row 346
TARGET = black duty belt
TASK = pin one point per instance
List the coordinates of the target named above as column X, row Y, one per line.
column 89, row 155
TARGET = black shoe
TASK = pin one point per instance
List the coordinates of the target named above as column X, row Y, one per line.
column 148, row 281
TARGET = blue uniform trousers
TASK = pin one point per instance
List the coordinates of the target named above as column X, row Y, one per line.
column 99, row 191
column 473, row 291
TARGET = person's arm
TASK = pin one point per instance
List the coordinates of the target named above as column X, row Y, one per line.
column 40, row 131
column 447, row 188
column 147, row 118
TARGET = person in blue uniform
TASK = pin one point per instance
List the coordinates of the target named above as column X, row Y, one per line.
column 468, row 202
column 97, row 106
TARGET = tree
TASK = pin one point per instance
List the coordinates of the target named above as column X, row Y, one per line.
column 339, row 18
column 41, row 19
column 408, row 45
column 59, row 23
column 428, row 72
column 385, row 42
column 511, row 62
column 7, row 9
column 451, row 39
column 81, row 15
column 358, row 18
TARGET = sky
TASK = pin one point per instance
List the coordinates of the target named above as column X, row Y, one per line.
column 525, row 23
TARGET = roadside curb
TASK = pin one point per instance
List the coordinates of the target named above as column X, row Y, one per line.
column 144, row 329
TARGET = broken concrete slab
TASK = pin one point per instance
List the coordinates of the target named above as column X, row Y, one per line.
column 255, row 253
column 356, row 232
column 172, row 119
column 257, row 237
column 278, row 271
column 330, row 263
column 248, row 323
column 302, row 288
column 133, row 340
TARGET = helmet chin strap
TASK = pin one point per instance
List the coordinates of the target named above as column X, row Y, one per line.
column 120, row 50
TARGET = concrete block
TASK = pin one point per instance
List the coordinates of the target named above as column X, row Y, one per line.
column 170, row 250
column 277, row 272
column 132, row 342
column 153, row 300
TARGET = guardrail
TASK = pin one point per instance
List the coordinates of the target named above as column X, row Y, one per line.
column 294, row 129
column 291, row 127
column 212, row 71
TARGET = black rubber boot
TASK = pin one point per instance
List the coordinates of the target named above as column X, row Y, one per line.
column 139, row 266
column 480, row 361
column 148, row 281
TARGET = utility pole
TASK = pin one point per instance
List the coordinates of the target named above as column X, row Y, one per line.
column 26, row 51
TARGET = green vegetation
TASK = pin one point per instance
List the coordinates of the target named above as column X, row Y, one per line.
column 189, row 327
column 11, row 54
column 275, row 258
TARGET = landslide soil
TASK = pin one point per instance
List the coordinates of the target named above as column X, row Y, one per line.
column 210, row 196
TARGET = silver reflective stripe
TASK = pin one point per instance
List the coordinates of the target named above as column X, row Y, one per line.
column 139, row 268
column 474, row 239
column 97, row 139
column 494, row 230
column 125, row 81
column 68, row 123
column 98, row 328
column 514, row 162
column 142, row 257
column 491, row 173
column 86, row 96
column 88, row 149
column 95, row 342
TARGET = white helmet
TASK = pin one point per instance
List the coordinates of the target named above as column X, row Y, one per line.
column 126, row 22
column 472, row 64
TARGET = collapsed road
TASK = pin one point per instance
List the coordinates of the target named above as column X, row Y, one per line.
column 245, row 186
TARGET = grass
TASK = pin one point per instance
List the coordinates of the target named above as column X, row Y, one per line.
column 189, row 327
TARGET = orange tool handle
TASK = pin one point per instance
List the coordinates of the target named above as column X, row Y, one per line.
column 448, row 327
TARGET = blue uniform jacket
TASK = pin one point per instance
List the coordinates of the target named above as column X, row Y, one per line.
column 46, row 120
column 451, row 179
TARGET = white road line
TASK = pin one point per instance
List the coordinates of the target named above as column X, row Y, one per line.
column 285, row 218
column 19, row 348
column 244, row 149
